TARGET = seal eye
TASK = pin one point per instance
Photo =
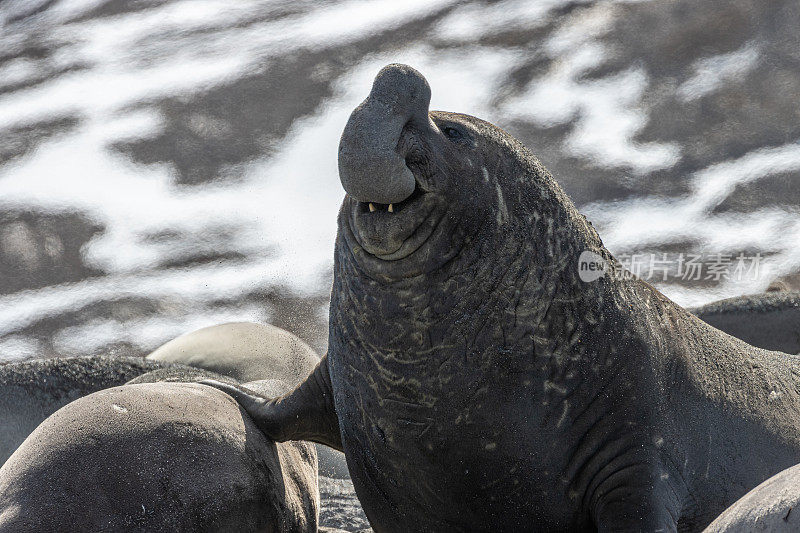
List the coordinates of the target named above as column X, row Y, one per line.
column 452, row 133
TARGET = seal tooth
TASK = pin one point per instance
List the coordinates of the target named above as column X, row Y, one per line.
column 371, row 208
column 391, row 208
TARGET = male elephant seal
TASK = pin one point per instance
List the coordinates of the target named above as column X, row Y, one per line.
column 770, row 320
column 157, row 457
column 246, row 352
column 476, row 383
column 772, row 507
column 30, row 391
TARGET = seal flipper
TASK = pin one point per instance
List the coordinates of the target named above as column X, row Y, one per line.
column 306, row 413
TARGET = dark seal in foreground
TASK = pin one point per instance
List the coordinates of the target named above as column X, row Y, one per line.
column 476, row 383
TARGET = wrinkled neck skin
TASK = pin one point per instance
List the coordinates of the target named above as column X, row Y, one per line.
column 501, row 269
column 499, row 335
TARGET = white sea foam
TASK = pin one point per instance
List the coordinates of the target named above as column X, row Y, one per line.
column 473, row 21
column 643, row 222
column 17, row 71
column 11, row 9
column 711, row 73
column 149, row 333
column 607, row 111
column 19, row 348
column 125, row 68
column 190, row 287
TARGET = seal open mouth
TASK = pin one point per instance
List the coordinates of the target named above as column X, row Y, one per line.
column 394, row 231
column 392, row 208
column 391, row 212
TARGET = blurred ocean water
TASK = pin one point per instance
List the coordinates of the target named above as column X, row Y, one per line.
column 168, row 165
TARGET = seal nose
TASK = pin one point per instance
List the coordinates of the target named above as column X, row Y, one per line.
column 370, row 167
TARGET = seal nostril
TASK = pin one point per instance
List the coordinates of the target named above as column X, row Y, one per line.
column 372, row 166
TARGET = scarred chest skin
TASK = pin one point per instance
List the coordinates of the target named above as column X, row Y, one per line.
column 504, row 394
column 471, row 389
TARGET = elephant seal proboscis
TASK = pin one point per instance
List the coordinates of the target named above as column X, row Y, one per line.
column 157, row 457
column 248, row 351
column 476, row 383
column 770, row 320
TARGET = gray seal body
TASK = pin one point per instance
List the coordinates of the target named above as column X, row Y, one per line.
column 248, row 352
column 30, row 391
column 476, row 383
column 157, row 457
column 772, row 507
column 245, row 351
column 770, row 320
